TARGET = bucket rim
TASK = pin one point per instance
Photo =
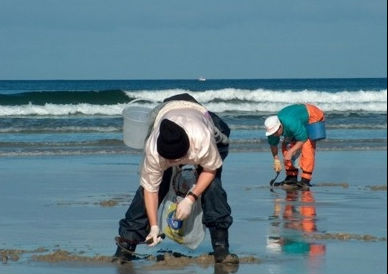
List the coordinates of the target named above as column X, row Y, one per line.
column 131, row 107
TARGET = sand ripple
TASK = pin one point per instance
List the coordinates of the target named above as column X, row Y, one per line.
column 65, row 256
column 345, row 237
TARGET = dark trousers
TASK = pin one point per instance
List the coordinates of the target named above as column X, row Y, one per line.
column 216, row 210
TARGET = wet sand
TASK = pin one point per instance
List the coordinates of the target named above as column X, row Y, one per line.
column 63, row 218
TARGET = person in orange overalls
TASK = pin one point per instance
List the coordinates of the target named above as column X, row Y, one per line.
column 291, row 123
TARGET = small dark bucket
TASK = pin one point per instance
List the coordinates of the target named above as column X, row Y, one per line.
column 316, row 131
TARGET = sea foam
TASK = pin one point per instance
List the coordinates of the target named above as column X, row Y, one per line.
column 223, row 100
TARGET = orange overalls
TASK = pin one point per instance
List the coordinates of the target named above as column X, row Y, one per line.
column 307, row 158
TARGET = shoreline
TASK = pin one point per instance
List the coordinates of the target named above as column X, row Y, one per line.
column 125, row 151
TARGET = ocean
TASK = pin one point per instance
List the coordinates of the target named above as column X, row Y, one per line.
column 76, row 117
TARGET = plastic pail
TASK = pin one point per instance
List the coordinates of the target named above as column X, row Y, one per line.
column 136, row 125
column 316, row 131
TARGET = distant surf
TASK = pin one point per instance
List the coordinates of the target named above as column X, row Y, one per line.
column 228, row 100
column 85, row 117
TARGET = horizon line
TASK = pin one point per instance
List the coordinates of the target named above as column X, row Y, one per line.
column 194, row 79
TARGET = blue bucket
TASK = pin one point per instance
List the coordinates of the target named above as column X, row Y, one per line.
column 316, row 131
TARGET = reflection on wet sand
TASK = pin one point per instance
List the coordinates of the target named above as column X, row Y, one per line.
column 292, row 218
column 127, row 269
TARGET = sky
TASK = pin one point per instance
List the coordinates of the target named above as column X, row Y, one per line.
column 162, row 39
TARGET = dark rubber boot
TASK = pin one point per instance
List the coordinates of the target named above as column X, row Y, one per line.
column 290, row 179
column 124, row 252
column 304, row 184
column 290, row 183
column 220, row 243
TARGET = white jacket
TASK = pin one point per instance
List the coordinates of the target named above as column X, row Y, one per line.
column 198, row 125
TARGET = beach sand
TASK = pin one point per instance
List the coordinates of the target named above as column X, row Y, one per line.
column 59, row 214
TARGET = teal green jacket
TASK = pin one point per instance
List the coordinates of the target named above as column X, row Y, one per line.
column 294, row 119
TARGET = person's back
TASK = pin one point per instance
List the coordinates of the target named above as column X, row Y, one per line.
column 202, row 148
column 294, row 119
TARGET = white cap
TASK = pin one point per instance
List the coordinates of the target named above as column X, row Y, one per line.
column 271, row 124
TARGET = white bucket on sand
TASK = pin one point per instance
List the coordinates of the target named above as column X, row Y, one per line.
column 136, row 124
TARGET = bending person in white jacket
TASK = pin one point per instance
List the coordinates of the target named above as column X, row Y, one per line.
column 184, row 132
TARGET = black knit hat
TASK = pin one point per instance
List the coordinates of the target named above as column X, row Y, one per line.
column 173, row 142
